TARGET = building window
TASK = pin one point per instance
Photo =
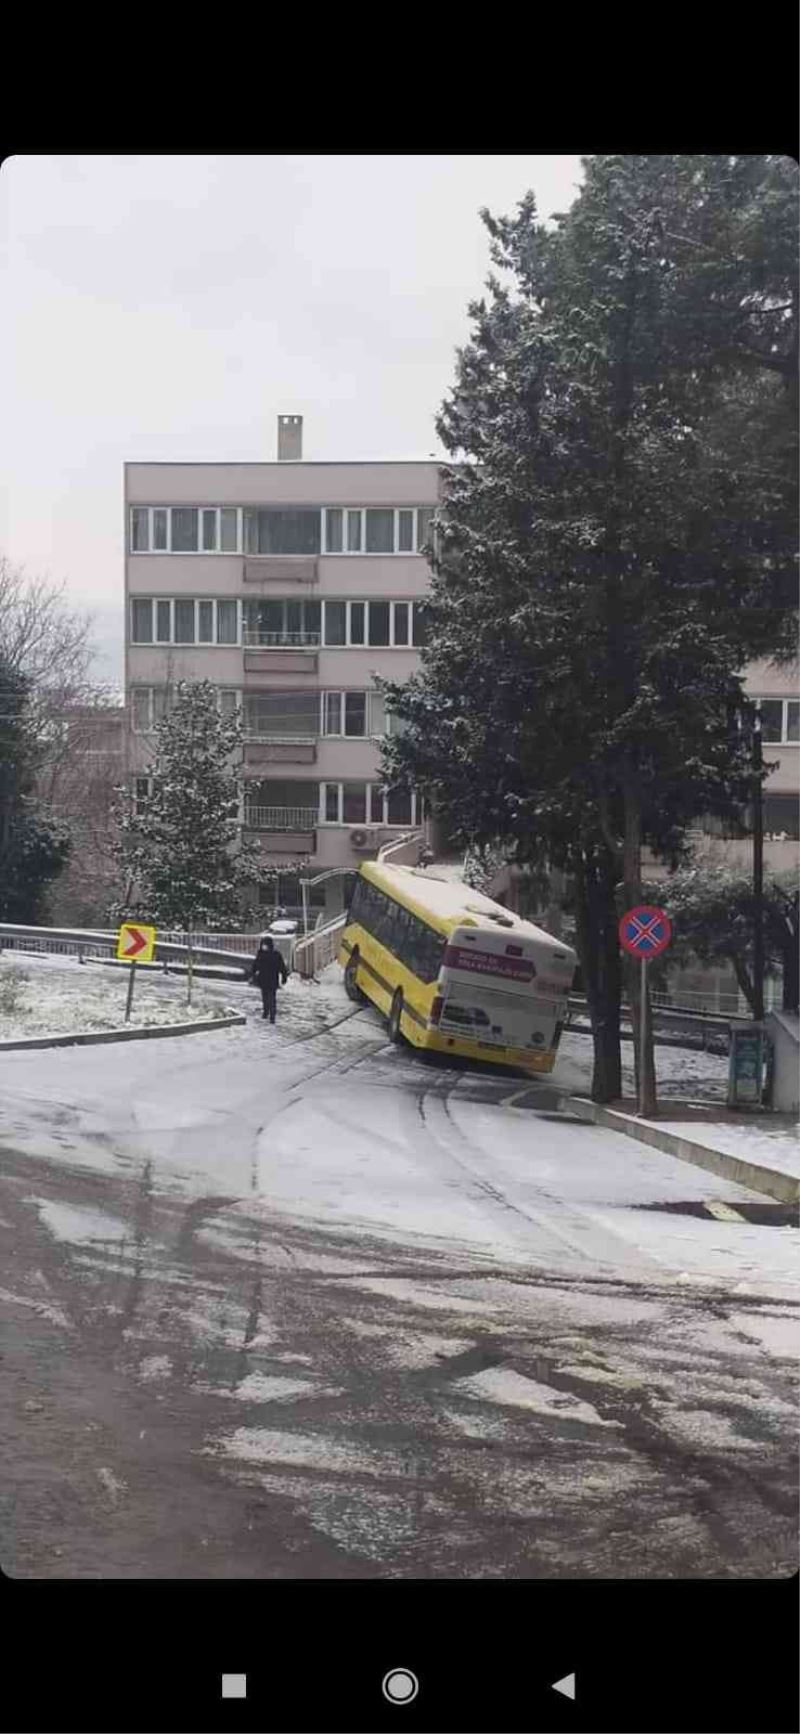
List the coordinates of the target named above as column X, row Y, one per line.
column 379, row 623
column 355, row 713
column 367, row 803
column 398, row 807
column 140, row 536
column 380, row 531
column 376, row 714
column 335, row 623
column 424, row 516
column 229, row 536
column 227, row 623
column 400, row 634
column 420, row 634
column 281, row 621
column 354, row 803
column 141, row 621
column 205, row 621
column 302, row 530
column 292, row 530
column 780, row 719
column 405, row 532
column 163, row 622
column 357, row 614
column 331, row 713
column 184, row 620
column 184, row 529
column 334, row 525
column 781, row 817
column 149, row 706
column 288, row 716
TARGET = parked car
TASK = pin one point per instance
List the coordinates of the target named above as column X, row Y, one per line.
column 283, row 925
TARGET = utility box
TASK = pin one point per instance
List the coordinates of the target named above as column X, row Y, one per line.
column 748, row 1065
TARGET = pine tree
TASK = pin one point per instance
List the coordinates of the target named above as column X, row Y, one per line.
column 712, row 909
column 614, row 549
column 33, row 849
column 180, row 851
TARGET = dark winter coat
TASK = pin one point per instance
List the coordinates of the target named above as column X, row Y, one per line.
column 268, row 967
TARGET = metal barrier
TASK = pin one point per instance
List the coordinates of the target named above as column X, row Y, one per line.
column 410, row 842
column 315, row 950
column 87, row 942
column 281, row 818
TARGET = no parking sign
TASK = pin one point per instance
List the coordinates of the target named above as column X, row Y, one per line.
column 644, row 931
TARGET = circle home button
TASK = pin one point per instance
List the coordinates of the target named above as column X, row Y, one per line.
column 400, row 1686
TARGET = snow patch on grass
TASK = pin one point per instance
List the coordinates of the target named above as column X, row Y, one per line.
column 61, row 996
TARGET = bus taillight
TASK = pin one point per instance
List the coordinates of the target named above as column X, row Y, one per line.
column 436, row 1009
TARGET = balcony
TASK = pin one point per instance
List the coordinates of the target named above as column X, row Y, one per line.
column 280, row 569
column 255, row 639
column 280, row 749
column 280, row 818
column 282, row 830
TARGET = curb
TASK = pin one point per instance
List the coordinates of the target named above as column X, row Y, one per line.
column 146, row 1033
column 773, row 1181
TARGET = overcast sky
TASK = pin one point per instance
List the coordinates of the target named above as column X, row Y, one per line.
column 170, row 308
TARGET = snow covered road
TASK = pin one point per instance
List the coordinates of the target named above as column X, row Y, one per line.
column 294, row 1303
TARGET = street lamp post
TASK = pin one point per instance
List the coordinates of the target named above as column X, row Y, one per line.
column 758, row 875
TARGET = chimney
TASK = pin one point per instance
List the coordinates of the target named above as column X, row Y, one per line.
column 290, row 438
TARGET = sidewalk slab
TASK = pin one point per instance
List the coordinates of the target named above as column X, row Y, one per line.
column 761, row 1152
column 133, row 1033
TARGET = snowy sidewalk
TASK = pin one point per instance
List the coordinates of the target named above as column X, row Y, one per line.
column 760, row 1150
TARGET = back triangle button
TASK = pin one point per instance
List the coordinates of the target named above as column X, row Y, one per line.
column 567, row 1685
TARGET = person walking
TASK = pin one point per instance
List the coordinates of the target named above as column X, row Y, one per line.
column 268, row 969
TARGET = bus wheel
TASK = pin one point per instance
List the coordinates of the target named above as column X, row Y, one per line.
column 351, row 986
column 396, row 1013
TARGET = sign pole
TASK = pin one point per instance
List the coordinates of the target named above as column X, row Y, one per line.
column 642, row 1030
column 644, row 932
column 131, row 980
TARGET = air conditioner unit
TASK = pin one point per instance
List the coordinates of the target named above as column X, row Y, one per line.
column 360, row 839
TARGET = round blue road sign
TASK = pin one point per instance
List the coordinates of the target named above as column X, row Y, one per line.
column 645, row 930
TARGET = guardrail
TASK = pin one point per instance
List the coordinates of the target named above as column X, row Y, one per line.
column 315, row 950
column 88, row 942
column 281, row 818
column 255, row 639
column 410, row 841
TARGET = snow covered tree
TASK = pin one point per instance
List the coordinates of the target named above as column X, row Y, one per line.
column 185, row 864
column 712, row 910
column 615, row 548
column 33, row 848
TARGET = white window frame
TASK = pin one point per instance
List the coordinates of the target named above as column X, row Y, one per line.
column 784, row 702
column 373, row 797
column 364, row 601
column 352, row 553
column 187, row 644
column 357, row 553
column 187, row 553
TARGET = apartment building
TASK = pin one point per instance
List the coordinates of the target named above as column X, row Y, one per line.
column 288, row 585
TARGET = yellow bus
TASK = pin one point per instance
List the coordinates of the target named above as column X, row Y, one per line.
column 453, row 970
